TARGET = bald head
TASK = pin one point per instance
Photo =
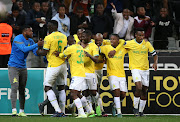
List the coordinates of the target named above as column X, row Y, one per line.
column 98, row 39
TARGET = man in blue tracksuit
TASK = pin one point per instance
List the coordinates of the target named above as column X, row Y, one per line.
column 17, row 71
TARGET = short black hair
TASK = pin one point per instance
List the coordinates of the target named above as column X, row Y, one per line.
column 138, row 29
column 19, row 1
column 35, row 3
column 116, row 35
column 70, row 37
column 25, row 27
column 88, row 32
column 54, row 23
column 99, row 3
column 62, row 5
column 139, row 8
column 15, row 7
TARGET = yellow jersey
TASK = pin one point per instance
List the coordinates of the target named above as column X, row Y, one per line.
column 115, row 65
column 56, row 41
column 138, row 54
column 76, row 59
column 99, row 66
column 76, row 38
column 89, row 64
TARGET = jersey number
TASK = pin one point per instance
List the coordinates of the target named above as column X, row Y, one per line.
column 80, row 56
column 59, row 45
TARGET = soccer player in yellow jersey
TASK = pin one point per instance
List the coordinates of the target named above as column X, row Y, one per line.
column 91, row 55
column 99, row 72
column 138, row 50
column 57, row 69
column 115, row 71
column 75, row 53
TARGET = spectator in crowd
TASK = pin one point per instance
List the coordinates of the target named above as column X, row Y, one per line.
column 78, row 20
column 34, row 19
column 123, row 25
column 21, row 10
column 5, row 43
column 158, row 4
column 101, row 23
column 46, row 11
column 16, row 20
column 27, row 5
column 143, row 21
column 84, row 3
column 63, row 21
column 163, row 29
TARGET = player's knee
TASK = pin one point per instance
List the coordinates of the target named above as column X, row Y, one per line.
column 47, row 88
column 116, row 93
column 123, row 95
column 138, row 88
column 61, row 87
column 93, row 92
column 143, row 97
column 85, row 93
column 73, row 95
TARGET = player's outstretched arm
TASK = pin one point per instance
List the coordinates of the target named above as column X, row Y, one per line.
column 58, row 54
column 117, row 49
column 155, row 62
column 42, row 52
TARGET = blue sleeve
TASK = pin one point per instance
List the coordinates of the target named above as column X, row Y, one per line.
column 34, row 51
column 20, row 45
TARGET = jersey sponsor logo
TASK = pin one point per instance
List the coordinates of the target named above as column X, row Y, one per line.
column 5, row 35
column 143, row 47
column 120, row 52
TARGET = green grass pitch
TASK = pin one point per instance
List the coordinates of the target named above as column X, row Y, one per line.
column 126, row 118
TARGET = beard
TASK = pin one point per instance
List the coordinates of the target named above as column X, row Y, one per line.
column 28, row 36
column 141, row 16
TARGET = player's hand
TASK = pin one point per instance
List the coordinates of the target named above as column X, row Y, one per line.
column 147, row 18
column 152, row 23
column 40, row 43
column 155, row 66
column 87, row 54
column 56, row 53
column 113, row 6
column 111, row 54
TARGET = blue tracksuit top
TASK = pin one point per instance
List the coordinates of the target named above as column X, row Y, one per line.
column 20, row 50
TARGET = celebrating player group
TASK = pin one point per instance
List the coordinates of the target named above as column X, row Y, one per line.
column 86, row 57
